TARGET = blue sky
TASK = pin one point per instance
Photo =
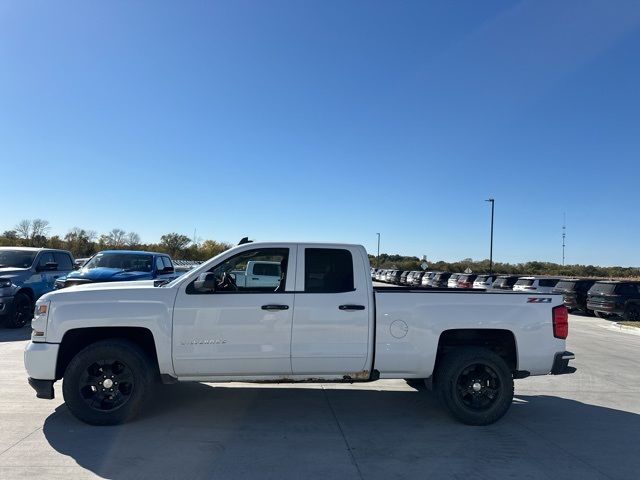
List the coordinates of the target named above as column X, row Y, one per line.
column 329, row 120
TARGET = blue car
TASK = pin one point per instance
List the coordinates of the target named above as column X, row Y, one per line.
column 25, row 275
column 121, row 266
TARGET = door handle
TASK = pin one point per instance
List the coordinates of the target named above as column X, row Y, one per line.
column 349, row 308
column 275, row 307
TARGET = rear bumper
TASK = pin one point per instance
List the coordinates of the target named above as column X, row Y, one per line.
column 561, row 363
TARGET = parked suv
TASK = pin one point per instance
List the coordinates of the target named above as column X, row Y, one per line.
column 25, row 275
column 484, row 282
column 504, row 282
column 535, row 284
column 121, row 266
column 453, row 280
column 403, row 277
column 574, row 291
column 466, row 280
column 440, row 280
column 416, row 280
column 609, row 298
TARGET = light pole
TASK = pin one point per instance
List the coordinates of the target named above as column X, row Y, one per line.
column 491, row 244
column 378, row 257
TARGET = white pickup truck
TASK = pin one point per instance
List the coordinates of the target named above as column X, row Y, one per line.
column 258, row 274
column 324, row 322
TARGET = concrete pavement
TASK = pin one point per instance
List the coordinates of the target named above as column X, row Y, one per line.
column 583, row 426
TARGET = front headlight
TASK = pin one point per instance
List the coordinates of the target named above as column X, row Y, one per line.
column 39, row 322
column 5, row 282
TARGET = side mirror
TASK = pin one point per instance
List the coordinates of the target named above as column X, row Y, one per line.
column 206, row 283
column 167, row 270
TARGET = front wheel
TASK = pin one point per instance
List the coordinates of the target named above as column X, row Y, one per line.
column 107, row 382
column 475, row 385
column 23, row 311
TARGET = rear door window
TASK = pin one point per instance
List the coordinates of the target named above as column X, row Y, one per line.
column 524, row 282
column 548, row 282
column 328, row 270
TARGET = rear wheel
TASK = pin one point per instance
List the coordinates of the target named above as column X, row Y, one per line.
column 23, row 311
column 475, row 385
column 632, row 313
column 603, row 315
column 107, row 382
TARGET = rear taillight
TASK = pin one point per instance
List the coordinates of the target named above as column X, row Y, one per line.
column 560, row 321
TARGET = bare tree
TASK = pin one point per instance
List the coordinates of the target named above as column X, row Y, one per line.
column 117, row 237
column 39, row 228
column 23, row 229
column 133, row 239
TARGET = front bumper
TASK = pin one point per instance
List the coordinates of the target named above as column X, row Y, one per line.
column 561, row 363
column 40, row 360
column 43, row 388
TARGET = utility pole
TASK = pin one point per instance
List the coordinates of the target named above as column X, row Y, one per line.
column 378, row 257
column 491, row 244
column 564, row 233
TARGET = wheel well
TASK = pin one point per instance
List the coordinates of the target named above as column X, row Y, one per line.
column 501, row 342
column 27, row 291
column 77, row 339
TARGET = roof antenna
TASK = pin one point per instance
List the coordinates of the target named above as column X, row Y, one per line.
column 245, row 240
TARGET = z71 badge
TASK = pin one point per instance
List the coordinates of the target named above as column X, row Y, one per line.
column 539, row 300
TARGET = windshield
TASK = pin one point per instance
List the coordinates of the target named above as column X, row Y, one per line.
column 16, row 258
column 605, row 288
column 130, row 262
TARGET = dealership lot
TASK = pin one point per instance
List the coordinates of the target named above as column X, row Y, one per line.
column 576, row 426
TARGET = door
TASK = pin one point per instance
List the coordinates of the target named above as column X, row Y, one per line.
column 42, row 280
column 236, row 330
column 332, row 316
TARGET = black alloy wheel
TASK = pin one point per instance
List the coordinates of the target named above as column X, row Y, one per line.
column 23, row 311
column 107, row 385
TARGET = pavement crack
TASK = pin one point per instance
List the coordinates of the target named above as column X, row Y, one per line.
column 16, row 443
column 344, row 438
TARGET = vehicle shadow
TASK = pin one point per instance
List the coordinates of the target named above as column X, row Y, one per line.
column 15, row 334
column 202, row 431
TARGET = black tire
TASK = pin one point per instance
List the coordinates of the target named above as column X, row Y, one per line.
column 22, row 311
column 604, row 316
column 632, row 313
column 120, row 366
column 475, row 385
column 589, row 313
column 417, row 383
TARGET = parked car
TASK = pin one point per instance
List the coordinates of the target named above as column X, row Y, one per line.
column 574, row 292
column 191, row 329
column 466, row 280
column 394, row 277
column 428, row 281
column 535, row 284
column 484, row 282
column 615, row 298
column 453, row 280
column 120, row 266
column 440, row 280
column 25, row 275
column 416, row 280
column 380, row 275
column 403, row 277
column 504, row 282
